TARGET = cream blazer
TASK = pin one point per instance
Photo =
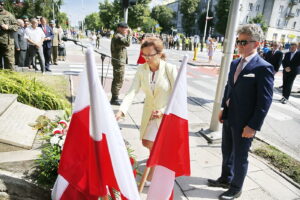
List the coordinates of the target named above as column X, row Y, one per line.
column 156, row 100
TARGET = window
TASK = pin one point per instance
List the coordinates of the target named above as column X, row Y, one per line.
column 247, row 19
column 275, row 35
column 282, row 39
column 281, row 9
column 298, row 12
column 286, row 23
column 278, row 22
column 250, row 6
column 257, row 7
column 294, row 25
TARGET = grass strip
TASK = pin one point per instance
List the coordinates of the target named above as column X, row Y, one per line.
column 283, row 162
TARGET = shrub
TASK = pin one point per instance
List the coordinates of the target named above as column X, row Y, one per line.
column 31, row 92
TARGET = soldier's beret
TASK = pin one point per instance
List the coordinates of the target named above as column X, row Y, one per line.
column 122, row 25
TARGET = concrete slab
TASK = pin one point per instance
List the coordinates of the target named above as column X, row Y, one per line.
column 6, row 100
column 18, row 156
column 14, row 125
column 275, row 186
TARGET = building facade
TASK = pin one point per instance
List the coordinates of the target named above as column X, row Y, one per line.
column 282, row 16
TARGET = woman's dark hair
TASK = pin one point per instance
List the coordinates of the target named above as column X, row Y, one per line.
column 157, row 45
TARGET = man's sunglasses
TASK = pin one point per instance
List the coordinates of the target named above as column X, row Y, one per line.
column 243, row 42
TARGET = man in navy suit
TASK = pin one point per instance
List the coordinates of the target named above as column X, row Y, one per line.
column 47, row 44
column 247, row 99
column 274, row 56
column 291, row 67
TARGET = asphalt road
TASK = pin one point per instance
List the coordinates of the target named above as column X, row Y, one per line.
column 282, row 124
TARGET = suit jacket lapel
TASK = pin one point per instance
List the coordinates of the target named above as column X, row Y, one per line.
column 161, row 71
column 249, row 66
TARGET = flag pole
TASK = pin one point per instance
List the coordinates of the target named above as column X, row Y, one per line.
column 144, row 178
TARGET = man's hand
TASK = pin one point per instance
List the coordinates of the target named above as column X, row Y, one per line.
column 287, row 69
column 220, row 117
column 4, row 26
column 129, row 31
column 156, row 114
column 18, row 49
column 248, row 132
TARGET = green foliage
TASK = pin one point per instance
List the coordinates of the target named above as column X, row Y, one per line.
column 110, row 13
column 280, row 160
column 31, row 92
column 33, row 8
column 222, row 12
column 189, row 10
column 259, row 19
column 210, row 22
column 45, row 169
column 164, row 16
column 62, row 19
column 93, row 22
column 136, row 15
column 148, row 24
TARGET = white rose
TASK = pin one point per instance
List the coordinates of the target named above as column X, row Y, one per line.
column 54, row 140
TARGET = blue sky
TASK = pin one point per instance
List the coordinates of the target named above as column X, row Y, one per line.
column 78, row 9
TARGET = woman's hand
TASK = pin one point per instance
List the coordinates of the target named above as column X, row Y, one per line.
column 156, row 114
column 119, row 115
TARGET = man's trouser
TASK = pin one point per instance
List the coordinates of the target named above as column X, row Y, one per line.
column 8, row 54
column 32, row 51
column 118, row 77
column 54, row 54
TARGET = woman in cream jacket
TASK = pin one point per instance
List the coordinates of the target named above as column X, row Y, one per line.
column 156, row 78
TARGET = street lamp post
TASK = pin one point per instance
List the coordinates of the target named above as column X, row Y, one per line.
column 205, row 27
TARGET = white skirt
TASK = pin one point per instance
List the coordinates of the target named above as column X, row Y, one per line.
column 152, row 129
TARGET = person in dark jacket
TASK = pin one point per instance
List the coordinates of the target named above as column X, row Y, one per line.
column 246, row 101
column 291, row 67
column 274, row 56
column 21, row 44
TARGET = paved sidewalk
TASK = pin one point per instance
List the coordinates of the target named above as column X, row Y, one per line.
column 262, row 182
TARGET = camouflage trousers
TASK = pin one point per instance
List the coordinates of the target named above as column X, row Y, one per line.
column 7, row 53
column 118, row 77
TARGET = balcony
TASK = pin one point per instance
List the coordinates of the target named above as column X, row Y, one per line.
column 293, row 2
column 290, row 15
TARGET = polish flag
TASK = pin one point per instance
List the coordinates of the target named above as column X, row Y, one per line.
column 94, row 156
column 170, row 154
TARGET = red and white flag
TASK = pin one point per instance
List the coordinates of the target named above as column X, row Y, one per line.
column 170, row 154
column 94, row 157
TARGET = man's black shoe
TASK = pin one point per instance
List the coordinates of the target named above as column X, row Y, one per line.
column 48, row 70
column 230, row 194
column 218, row 183
column 116, row 102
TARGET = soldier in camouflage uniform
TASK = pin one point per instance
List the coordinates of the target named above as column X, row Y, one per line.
column 8, row 25
column 119, row 42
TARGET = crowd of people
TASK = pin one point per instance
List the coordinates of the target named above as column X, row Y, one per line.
column 23, row 42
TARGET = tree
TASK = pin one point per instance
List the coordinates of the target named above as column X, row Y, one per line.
column 137, row 13
column 33, row 8
column 148, row 24
column 189, row 10
column 63, row 20
column 93, row 22
column 164, row 16
column 210, row 22
column 259, row 19
column 110, row 13
column 222, row 12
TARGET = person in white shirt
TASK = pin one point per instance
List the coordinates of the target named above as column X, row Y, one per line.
column 35, row 37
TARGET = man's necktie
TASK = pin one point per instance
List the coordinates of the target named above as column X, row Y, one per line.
column 45, row 30
column 239, row 69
